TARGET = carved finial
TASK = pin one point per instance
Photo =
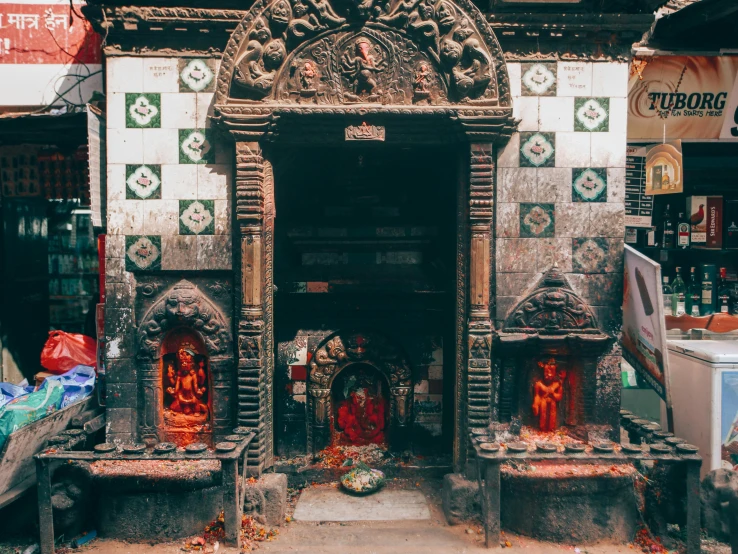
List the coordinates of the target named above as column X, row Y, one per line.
column 554, row 277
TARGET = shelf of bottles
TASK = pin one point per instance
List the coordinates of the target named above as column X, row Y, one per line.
column 698, row 280
column 73, row 267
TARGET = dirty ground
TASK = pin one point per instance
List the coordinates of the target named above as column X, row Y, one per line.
column 427, row 536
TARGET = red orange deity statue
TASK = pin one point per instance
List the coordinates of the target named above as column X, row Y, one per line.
column 547, row 393
column 188, row 385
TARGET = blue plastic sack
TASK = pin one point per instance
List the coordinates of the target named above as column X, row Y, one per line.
column 10, row 392
column 28, row 408
column 78, row 384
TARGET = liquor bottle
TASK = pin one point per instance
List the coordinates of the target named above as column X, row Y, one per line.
column 694, row 294
column 683, row 230
column 667, row 295
column 723, row 295
column 651, row 237
column 667, row 229
column 707, row 306
column 678, row 294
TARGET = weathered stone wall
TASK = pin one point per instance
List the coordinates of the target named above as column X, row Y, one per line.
column 560, row 192
column 169, row 207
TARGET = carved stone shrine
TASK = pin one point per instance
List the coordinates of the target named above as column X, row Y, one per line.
column 347, row 237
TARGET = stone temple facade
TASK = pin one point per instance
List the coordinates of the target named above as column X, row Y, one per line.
column 314, row 195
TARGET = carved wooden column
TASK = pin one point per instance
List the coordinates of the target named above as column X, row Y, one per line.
column 479, row 322
column 253, row 410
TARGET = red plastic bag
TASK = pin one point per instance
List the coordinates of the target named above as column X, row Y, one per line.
column 63, row 351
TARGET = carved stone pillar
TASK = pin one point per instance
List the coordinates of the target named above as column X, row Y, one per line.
column 479, row 322
column 254, row 412
column 321, row 404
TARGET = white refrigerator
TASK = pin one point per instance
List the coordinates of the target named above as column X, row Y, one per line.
column 703, row 377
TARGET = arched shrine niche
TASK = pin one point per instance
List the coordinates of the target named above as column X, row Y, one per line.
column 388, row 52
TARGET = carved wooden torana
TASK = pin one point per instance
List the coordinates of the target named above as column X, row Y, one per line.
column 327, row 71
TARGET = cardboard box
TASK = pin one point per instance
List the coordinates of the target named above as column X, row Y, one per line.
column 714, row 217
column 696, row 206
column 731, row 224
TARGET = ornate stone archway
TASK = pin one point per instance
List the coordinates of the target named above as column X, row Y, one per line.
column 183, row 307
column 342, row 350
column 330, row 71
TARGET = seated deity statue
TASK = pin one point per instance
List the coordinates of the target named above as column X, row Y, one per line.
column 188, row 386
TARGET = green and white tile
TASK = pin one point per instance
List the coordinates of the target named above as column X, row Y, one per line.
column 143, row 182
column 143, row 253
column 589, row 184
column 537, row 149
column 589, row 255
column 195, row 146
column 143, row 110
column 196, row 217
column 196, row 75
column 592, row 114
column 537, row 220
column 538, row 79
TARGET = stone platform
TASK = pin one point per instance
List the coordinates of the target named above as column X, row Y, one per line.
column 320, row 504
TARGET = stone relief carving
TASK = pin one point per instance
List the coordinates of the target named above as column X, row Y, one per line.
column 183, row 305
column 424, row 52
column 552, row 308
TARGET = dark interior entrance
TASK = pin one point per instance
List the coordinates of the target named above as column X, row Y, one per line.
column 365, row 240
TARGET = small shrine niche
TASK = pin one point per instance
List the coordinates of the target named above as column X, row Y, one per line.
column 548, row 351
column 360, row 392
column 186, row 382
column 360, row 396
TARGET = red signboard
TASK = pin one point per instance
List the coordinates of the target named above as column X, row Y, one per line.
column 48, row 33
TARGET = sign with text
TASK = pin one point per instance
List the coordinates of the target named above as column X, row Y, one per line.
column 644, row 325
column 685, row 97
column 638, row 205
column 49, row 48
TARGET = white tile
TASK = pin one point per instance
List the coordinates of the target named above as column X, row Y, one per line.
column 608, row 149
column 517, row 184
column 178, row 111
column 116, row 182
column 160, row 75
column 125, row 146
column 514, row 72
column 161, row 217
column 124, row 74
column 574, row 79
column 214, row 252
column 616, row 184
column 553, row 184
column 179, row 252
column 213, row 181
column 179, row 182
column 618, row 115
column 205, row 105
column 509, row 155
column 525, row 108
column 222, row 217
column 161, row 146
column 573, row 149
column 116, row 110
column 125, row 217
column 610, row 79
column 115, row 246
column 556, row 113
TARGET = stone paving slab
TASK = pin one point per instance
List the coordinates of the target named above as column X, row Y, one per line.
column 321, row 504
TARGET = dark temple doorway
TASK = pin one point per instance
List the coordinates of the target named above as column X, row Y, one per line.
column 365, row 241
